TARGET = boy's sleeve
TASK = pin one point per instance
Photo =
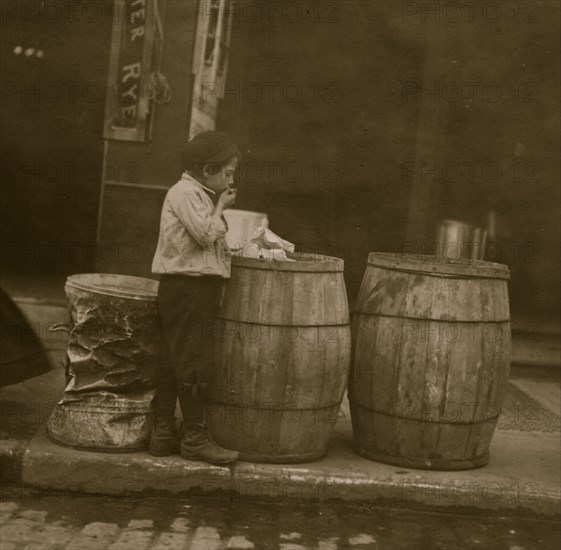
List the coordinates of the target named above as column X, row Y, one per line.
column 197, row 218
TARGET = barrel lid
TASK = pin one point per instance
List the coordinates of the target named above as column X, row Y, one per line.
column 120, row 286
column 438, row 266
column 304, row 263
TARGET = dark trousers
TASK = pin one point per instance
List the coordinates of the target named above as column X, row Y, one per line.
column 188, row 308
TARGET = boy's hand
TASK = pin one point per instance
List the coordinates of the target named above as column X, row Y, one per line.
column 227, row 198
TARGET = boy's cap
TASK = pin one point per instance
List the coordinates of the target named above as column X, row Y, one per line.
column 208, row 147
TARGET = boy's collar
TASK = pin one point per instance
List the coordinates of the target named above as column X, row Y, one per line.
column 187, row 176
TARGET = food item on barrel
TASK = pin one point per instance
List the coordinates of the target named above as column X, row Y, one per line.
column 266, row 244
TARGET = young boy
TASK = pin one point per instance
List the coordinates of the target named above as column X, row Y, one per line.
column 193, row 260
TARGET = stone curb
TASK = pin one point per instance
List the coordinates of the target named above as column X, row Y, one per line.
column 342, row 476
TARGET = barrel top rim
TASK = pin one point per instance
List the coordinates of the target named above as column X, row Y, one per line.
column 305, row 262
column 93, row 282
column 429, row 263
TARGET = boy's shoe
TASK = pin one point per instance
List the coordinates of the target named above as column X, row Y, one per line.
column 163, row 439
column 197, row 444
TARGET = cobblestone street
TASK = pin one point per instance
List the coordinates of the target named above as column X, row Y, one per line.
column 48, row 521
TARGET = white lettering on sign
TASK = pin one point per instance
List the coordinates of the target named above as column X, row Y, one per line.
column 138, row 15
column 137, row 32
column 130, row 64
column 131, row 92
column 129, row 111
column 131, row 71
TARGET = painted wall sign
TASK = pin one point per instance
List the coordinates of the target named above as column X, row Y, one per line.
column 127, row 105
column 210, row 62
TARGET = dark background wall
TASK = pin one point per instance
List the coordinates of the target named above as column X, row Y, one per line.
column 326, row 141
column 51, row 134
column 508, row 131
column 488, row 131
column 336, row 185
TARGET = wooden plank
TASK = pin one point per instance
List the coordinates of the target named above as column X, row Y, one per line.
column 419, row 297
column 385, row 292
column 410, row 380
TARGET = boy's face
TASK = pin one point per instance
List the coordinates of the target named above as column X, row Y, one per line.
column 224, row 178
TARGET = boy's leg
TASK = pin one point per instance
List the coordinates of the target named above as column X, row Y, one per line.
column 164, row 439
column 198, row 347
column 196, row 351
column 187, row 305
column 166, row 392
column 191, row 404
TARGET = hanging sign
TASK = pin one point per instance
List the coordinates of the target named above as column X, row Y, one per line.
column 210, row 63
column 127, row 105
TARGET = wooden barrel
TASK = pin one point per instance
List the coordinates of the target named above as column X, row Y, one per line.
column 431, row 357
column 112, row 358
column 283, row 358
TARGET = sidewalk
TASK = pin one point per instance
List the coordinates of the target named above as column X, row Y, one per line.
column 523, row 476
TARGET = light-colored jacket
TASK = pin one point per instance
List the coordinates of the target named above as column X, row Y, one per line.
column 191, row 241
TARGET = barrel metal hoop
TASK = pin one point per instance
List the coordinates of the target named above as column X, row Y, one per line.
column 441, row 275
column 266, row 406
column 494, row 419
column 370, row 314
column 264, row 324
column 277, row 269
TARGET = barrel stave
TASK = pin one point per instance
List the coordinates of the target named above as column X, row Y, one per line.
column 377, row 341
column 416, row 296
column 424, row 374
column 497, row 355
column 264, row 365
column 277, row 297
column 273, row 435
column 383, row 291
column 417, row 444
